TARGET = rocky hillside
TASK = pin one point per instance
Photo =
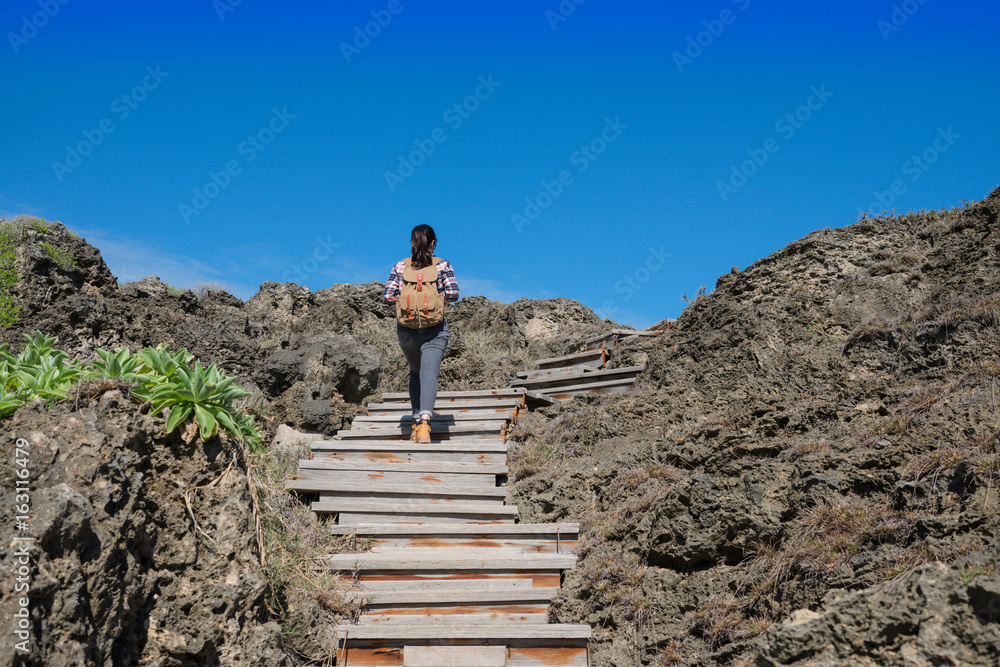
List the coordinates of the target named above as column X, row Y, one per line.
column 806, row 473
column 809, row 473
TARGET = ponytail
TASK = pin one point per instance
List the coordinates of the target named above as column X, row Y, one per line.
column 420, row 246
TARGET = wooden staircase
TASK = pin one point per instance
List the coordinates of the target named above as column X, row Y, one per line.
column 447, row 576
column 560, row 379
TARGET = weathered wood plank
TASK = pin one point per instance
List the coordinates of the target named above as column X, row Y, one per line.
column 519, row 653
column 398, row 507
column 496, row 615
column 554, row 372
column 521, row 544
column 406, row 580
column 608, row 387
column 517, row 529
column 585, row 358
column 438, row 426
column 443, row 560
column 541, row 384
column 307, row 486
column 464, row 445
column 399, row 419
column 358, row 518
column 453, row 596
column 449, row 395
column 438, row 433
column 443, row 584
column 476, row 468
column 548, row 631
column 438, row 479
column 451, row 406
column 496, row 458
column 433, row 495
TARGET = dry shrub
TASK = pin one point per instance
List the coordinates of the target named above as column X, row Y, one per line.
column 670, row 655
column 924, row 397
column 822, row 540
column 888, row 262
column 295, row 540
column 615, row 580
column 723, row 618
column 983, row 309
column 981, row 454
column 83, row 393
column 877, row 328
column 709, row 428
column 881, row 428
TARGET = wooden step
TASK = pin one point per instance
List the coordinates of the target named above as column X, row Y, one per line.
column 414, row 456
column 593, row 358
column 439, row 432
column 445, row 560
column 529, row 537
column 453, row 595
column 554, row 372
column 609, row 339
column 443, row 584
column 452, row 406
column 444, row 397
column 469, row 445
column 563, row 394
column 432, row 632
column 376, row 490
column 543, row 384
column 437, row 426
column 436, row 473
column 444, row 645
column 354, row 511
column 405, row 418
column 492, row 451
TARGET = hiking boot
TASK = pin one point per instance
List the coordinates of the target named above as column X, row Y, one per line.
column 421, row 432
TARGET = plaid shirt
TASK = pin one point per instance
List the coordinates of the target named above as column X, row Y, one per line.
column 446, row 282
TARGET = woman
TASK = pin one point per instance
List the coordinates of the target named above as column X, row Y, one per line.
column 422, row 329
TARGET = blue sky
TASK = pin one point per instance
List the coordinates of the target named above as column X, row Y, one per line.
column 617, row 153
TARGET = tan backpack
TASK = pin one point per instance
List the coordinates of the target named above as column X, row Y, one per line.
column 419, row 304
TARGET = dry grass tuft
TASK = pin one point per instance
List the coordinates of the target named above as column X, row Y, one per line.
column 824, row 539
column 670, row 655
column 294, row 540
column 723, row 618
column 83, row 393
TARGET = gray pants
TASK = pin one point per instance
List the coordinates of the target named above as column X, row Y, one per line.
column 423, row 349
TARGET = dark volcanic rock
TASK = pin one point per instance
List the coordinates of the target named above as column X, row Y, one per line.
column 930, row 616
column 118, row 574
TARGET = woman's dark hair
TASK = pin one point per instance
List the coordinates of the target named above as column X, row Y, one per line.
column 420, row 246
